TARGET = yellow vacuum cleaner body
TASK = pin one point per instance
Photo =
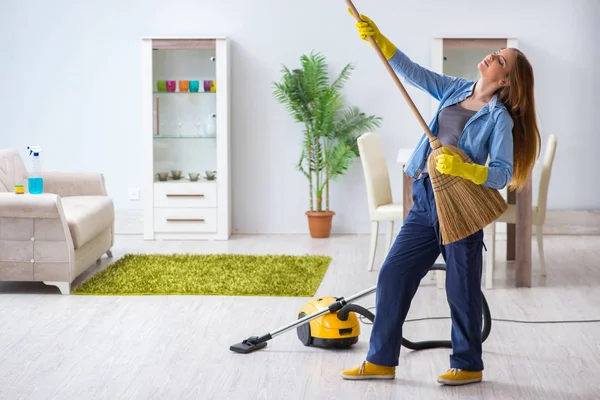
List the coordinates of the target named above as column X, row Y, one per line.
column 327, row 330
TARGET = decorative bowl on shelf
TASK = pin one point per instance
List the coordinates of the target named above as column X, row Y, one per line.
column 176, row 175
column 163, row 176
column 194, row 176
column 211, row 175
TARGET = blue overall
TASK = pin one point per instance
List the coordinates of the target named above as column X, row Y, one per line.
column 414, row 251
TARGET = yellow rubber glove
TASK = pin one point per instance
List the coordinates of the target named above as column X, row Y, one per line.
column 450, row 163
column 368, row 28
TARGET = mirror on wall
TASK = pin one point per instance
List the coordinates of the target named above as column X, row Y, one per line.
column 461, row 56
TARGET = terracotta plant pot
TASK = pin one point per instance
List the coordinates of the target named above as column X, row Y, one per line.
column 319, row 223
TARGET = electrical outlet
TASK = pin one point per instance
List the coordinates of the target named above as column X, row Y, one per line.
column 134, row 194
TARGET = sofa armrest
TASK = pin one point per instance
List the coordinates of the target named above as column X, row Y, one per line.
column 67, row 184
column 44, row 205
column 35, row 240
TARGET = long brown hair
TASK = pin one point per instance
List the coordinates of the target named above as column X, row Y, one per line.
column 519, row 99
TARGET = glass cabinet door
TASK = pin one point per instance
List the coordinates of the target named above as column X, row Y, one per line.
column 184, row 112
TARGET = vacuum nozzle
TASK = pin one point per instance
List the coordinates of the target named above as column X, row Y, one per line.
column 251, row 344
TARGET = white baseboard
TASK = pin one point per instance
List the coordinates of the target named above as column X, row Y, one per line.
column 558, row 222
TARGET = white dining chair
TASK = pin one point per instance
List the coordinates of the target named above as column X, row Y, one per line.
column 382, row 208
column 538, row 211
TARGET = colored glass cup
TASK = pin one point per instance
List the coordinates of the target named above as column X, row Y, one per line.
column 162, row 86
column 184, row 86
column 171, row 85
column 194, row 86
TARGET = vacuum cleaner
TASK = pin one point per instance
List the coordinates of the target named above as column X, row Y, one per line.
column 329, row 322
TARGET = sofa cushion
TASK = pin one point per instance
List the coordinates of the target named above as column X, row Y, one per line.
column 87, row 216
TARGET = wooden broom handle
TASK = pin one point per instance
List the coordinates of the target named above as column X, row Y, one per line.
column 393, row 74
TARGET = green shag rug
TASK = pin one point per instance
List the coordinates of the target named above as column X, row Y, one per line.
column 209, row 274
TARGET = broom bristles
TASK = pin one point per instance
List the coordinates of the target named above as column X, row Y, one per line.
column 463, row 207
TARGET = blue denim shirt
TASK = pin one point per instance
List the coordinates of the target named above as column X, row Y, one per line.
column 488, row 132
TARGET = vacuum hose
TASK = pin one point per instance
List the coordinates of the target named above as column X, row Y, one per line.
column 429, row 344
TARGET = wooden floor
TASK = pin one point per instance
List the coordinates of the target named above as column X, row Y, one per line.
column 177, row 347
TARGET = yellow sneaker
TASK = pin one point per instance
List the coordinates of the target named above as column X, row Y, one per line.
column 369, row 370
column 455, row 376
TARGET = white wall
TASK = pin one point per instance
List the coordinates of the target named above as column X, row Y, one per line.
column 70, row 72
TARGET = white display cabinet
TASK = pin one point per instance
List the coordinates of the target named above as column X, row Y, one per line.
column 459, row 56
column 186, row 130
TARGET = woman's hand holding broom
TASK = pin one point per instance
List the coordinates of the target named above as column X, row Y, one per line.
column 368, row 28
column 450, row 163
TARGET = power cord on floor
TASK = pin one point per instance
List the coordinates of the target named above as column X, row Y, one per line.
column 368, row 322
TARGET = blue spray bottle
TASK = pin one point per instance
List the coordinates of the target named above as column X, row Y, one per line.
column 35, row 181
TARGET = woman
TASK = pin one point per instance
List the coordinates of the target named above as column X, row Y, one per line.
column 494, row 117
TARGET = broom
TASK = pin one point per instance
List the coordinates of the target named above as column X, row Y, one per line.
column 463, row 206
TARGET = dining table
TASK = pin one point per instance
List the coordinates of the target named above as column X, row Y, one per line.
column 518, row 236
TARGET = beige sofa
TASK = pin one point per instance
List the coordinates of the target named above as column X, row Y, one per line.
column 55, row 236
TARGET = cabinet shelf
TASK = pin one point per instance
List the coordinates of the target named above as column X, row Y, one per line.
column 184, row 137
column 193, row 93
column 200, row 181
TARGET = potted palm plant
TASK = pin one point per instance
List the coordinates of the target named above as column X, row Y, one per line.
column 330, row 131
